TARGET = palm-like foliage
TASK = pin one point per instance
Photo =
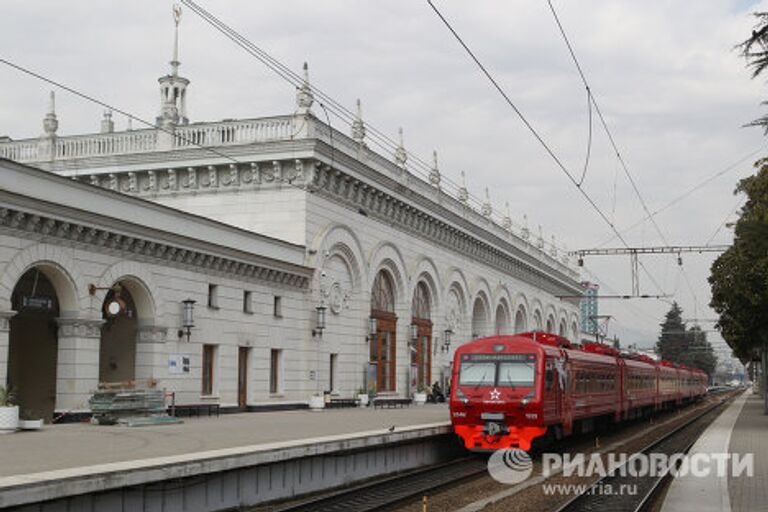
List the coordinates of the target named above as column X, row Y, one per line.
column 7, row 397
column 755, row 51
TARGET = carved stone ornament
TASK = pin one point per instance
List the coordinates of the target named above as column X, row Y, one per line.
column 79, row 328
column 337, row 298
column 152, row 334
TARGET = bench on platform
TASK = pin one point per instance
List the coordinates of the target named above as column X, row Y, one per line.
column 190, row 410
column 391, row 402
column 335, row 403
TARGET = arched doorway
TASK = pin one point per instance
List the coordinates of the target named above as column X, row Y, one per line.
column 117, row 349
column 421, row 344
column 550, row 325
column 521, row 324
column 382, row 346
column 563, row 330
column 33, row 345
column 502, row 320
column 479, row 318
column 537, row 321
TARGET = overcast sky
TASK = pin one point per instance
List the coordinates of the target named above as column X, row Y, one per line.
column 674, row 93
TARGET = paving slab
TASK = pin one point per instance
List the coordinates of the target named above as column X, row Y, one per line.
column 58, row 447
column 707, row 493
column 750, row 435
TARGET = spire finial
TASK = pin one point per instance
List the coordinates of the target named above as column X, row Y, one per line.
column 487, row 209
column 304, row 98
column 525, row 232
column 51, row 123
column 506, row 222
column 401, row 156
column 553, row 249
column 434, row 173
column 358, row 127
column 176, row 20
column 463, row 192
column 540, row 239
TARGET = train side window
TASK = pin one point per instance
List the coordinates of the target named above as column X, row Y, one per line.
column 549, row 377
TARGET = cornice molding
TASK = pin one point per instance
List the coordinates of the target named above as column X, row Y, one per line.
column 314, row 176
column 105, row 240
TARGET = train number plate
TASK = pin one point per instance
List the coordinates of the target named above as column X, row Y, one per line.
column 492, row 416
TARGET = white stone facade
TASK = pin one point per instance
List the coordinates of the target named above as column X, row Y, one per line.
column 338, row 214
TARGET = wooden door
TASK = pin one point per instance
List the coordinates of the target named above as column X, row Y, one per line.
column 242, row 378
column 384, row 349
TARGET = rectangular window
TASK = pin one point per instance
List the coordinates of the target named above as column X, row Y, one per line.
column 274, row 370
column 332, row 371
column 209, row 362
column 213, row 296
column 277, row 309
column 247, row 302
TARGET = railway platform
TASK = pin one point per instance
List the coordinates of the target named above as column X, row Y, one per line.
column 236, row 458
column 741, row 429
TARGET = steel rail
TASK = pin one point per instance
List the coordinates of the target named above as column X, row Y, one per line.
column 389, row 491
column 581, row 502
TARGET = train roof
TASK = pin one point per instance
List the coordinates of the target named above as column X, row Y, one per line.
column 588, row 351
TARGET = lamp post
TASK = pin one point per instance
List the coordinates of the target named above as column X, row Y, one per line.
column 187, row 318
column 319, row 321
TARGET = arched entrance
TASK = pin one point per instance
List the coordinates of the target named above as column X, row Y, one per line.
column 382, row 346
column 502, row 320
column 117, row 349
column 33, row 345
column 479, row 318
column 537, row 321
column 421, row 342
column 563, row 330
column 521, row 325
column 550, row 325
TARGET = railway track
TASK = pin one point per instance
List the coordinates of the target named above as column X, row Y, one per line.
column 384, row 493
column 641, row 490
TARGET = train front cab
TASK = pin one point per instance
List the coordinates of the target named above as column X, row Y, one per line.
column 504, row 392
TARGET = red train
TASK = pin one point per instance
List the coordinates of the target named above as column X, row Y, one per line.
column 512, row 391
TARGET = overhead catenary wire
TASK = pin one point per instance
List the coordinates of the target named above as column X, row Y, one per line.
column 376, row 136
column 612, row 141
column 560, row 165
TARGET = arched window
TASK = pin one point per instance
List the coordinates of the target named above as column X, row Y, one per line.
column 521, row 325
column 383, row 293
column 420, row 307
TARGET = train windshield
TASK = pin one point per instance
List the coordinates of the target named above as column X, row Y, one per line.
column 502, row 370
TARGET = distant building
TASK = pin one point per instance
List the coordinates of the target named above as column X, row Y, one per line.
column 588, row 308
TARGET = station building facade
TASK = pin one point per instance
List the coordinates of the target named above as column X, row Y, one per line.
column 268, row 224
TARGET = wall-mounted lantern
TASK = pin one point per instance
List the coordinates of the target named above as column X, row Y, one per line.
column 372, row 329
column 414, row 331
column 319, row 321
column 187, row 318
column 446, row 340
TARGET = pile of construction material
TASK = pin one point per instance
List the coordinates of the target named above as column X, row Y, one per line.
column 129, row 403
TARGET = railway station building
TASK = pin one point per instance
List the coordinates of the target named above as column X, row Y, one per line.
column 250, row 262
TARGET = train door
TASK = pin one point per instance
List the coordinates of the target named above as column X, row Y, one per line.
column 552, row 393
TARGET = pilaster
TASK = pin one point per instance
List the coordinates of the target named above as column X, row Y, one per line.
column 5, row 329
column 77, row 368
column 150, row 352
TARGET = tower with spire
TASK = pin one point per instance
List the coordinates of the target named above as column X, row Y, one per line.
column 173, row 88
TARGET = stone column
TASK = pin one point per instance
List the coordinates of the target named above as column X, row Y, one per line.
column 5, row 331
column 77, row 367
column 150, row 352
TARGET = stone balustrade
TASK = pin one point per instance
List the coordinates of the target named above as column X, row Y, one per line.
column 222, row 133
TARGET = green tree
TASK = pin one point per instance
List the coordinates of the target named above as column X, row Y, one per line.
column 700, row 353
column 739, row 277
column 682, row 345
column 673, row 340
